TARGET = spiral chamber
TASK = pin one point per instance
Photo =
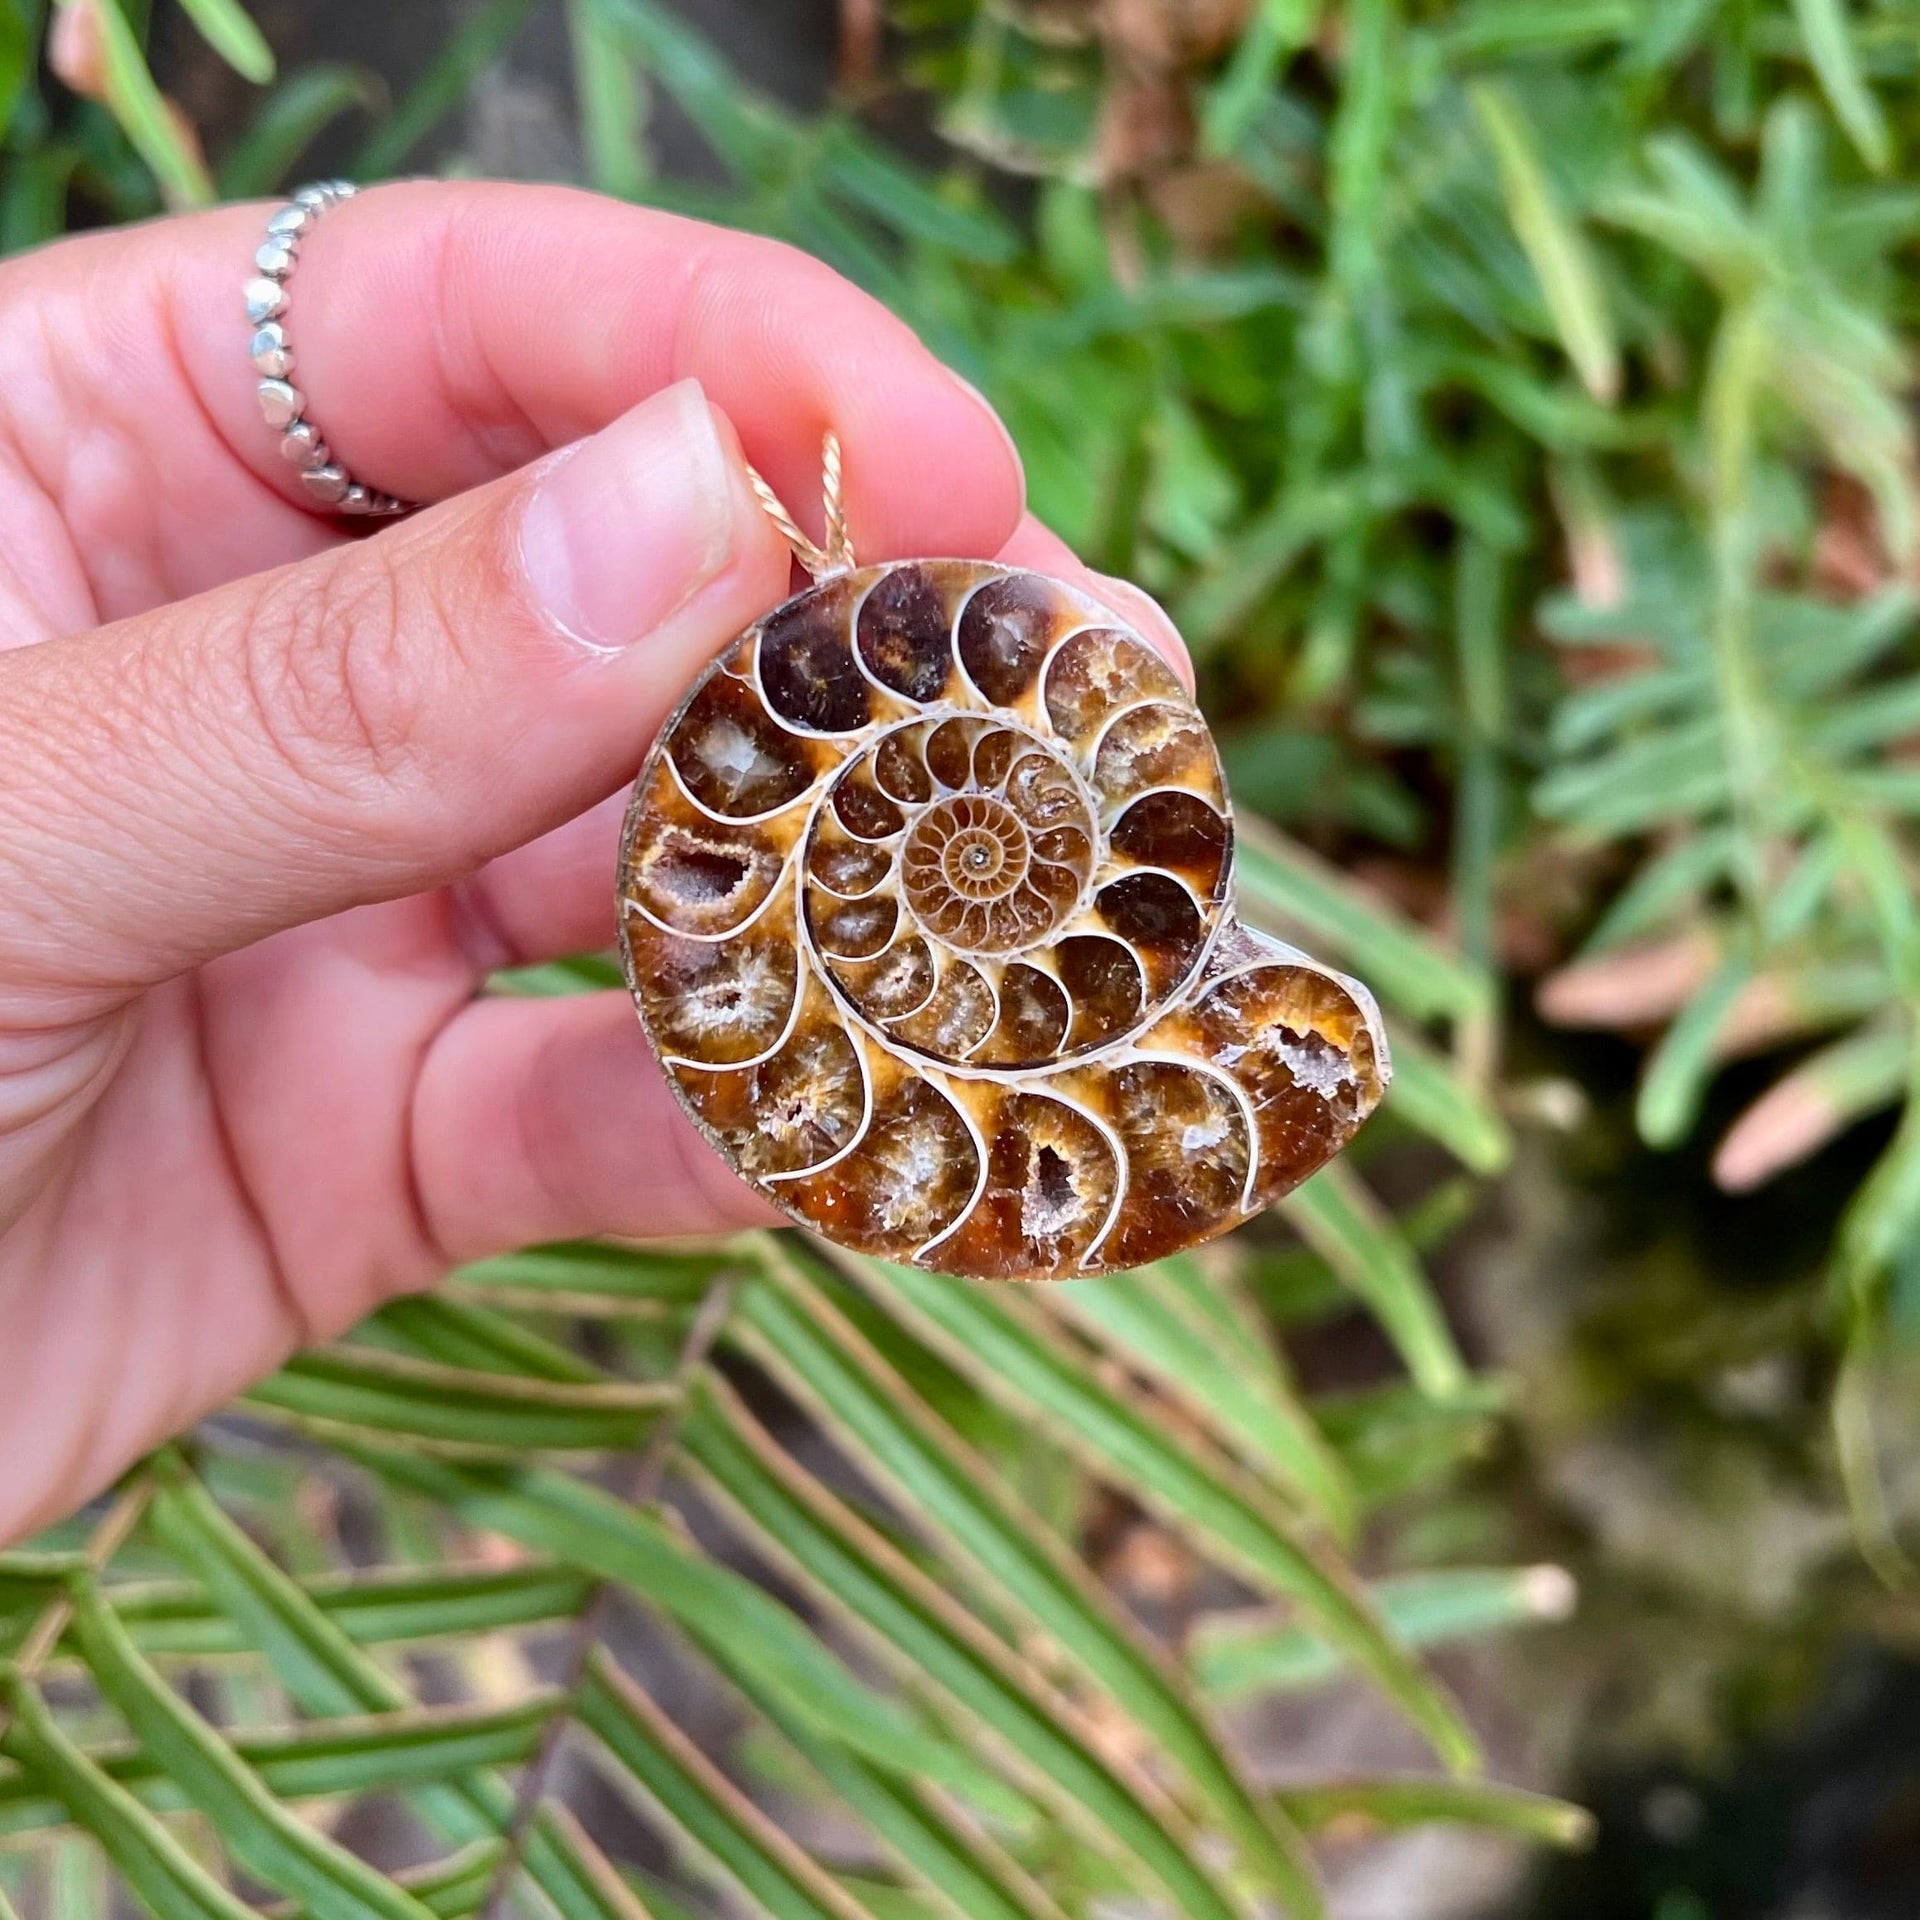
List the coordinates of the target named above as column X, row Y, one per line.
column 927, row 905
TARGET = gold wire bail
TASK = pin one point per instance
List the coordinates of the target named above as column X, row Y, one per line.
column 837, row 555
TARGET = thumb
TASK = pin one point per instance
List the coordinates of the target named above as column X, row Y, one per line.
column 372, row 722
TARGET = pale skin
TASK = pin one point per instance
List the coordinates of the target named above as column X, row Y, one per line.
column 275, row 800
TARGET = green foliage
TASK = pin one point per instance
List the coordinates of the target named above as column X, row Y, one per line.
column 906, row 1634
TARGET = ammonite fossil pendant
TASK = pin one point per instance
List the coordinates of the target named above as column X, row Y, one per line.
column 927, row 904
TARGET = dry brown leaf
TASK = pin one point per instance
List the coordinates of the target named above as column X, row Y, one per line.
column 1205, row 207
column 77, row 48
column 1643, row 986
column 1849, row 558
column 1167, row 34
column 861, row 27
column 1789, row 1123
column 1146, row 126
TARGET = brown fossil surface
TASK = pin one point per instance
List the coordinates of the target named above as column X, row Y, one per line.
column 927, row 904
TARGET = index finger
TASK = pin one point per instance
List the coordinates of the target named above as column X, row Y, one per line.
column 449, row 333
column 446, row 333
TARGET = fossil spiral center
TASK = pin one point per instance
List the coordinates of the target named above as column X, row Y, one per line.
column 973, row 846
column 995, row 869
column 943, row 867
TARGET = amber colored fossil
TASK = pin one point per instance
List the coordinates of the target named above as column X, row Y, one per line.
column 927, row 903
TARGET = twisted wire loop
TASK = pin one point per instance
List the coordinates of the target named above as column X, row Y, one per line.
column 833, row 499
column 822, row 562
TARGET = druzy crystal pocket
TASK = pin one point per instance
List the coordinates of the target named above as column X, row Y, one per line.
column 927, row 903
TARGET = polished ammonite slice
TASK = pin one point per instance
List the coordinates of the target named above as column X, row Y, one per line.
column 927, row 903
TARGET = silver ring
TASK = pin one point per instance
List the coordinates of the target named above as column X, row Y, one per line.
column 282, row 404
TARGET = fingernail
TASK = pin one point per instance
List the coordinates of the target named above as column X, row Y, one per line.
column 625, row 528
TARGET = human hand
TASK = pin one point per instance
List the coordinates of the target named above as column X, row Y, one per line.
column 275, row 800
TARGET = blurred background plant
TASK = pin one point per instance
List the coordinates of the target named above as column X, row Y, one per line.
column 1511, row 401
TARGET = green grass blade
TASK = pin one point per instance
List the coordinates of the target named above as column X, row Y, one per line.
column 672, row 1774
column 456, row 1887
column 932, row 1637
column 17, row 54
column 1677, row 1074
column 383, row 1607
column 315, row 1661
column 737, row 1623
column 481, row 39
column 465, row 1333
column 1431, row 1097
column 1561, row 258
column 1493, row 28
column 1236, row 1388
column 1360, row 140
column 1396, row 1441
column 1663, row 890
column 168, row 1881
column 962, row 1865
column 1008, row 1356
column 950, row 1491
column 1233, row 581
column 1880, row 1219
column 747, row 132
column 1277, row 29
column 1234, row 1655
column 326, row 1674
column 290, row 119
column 78, row 1885
column 145, row 116
column 1480, row 809
column 613, row 105
column 1288, row 891
column 1827, row 31
column 644, row 1280
column 482, row 1413
column 228, row 29
column 324, row 1759
column 867, row 176
column 1349, row 1229
column 1654, row 780
column 33, row 195
column 1389, row 1805
column 275, row 1847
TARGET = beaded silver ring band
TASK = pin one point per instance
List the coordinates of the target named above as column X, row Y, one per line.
column 282, row 404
